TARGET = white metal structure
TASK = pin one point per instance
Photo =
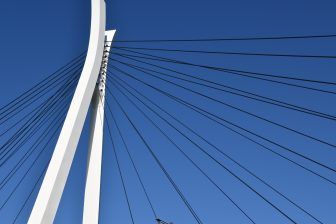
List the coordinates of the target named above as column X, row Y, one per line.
column 49, row 196
column 92, row 188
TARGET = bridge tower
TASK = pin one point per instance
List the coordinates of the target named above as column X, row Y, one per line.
column 86, row 92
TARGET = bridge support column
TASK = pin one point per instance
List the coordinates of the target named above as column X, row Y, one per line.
column 50, row 193
column 92, row 188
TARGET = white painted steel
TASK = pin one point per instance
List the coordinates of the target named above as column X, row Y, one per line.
column 93, row 178
column 49, row 196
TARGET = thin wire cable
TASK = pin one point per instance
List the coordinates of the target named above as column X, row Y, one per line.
column 41, row 82
column 229, row 105
column 259, row 74
column 298, row 37
column 133, row 162
column 219, row 121
column 221, row 165
column 120, row 172
column 252, row 96
column 172, row 182
column 37, row 122
column 209, row 143
column 26, row 116
column 32, row 164
column 239, row 73
column 31, row 192
column 17, row 108
column 22, row 160
column 45, row 87
column 48, row 102
column 288, row 149
column 33, row 100
column 188, row 158
column 235, row 70
column 31, row 125
column 35, row 145
column 229, row 53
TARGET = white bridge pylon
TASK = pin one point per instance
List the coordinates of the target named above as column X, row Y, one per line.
column 52, row 187
column 92, row 188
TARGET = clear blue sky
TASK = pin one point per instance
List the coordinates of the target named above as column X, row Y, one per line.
column 37, row 37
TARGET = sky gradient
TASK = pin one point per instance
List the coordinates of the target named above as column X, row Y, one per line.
column 40, row 36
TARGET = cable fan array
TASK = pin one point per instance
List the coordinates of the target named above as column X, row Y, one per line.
column 143, row 79
column 177, row 120
column 30, row 125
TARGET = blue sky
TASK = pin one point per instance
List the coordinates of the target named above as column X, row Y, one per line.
column 38, row 37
